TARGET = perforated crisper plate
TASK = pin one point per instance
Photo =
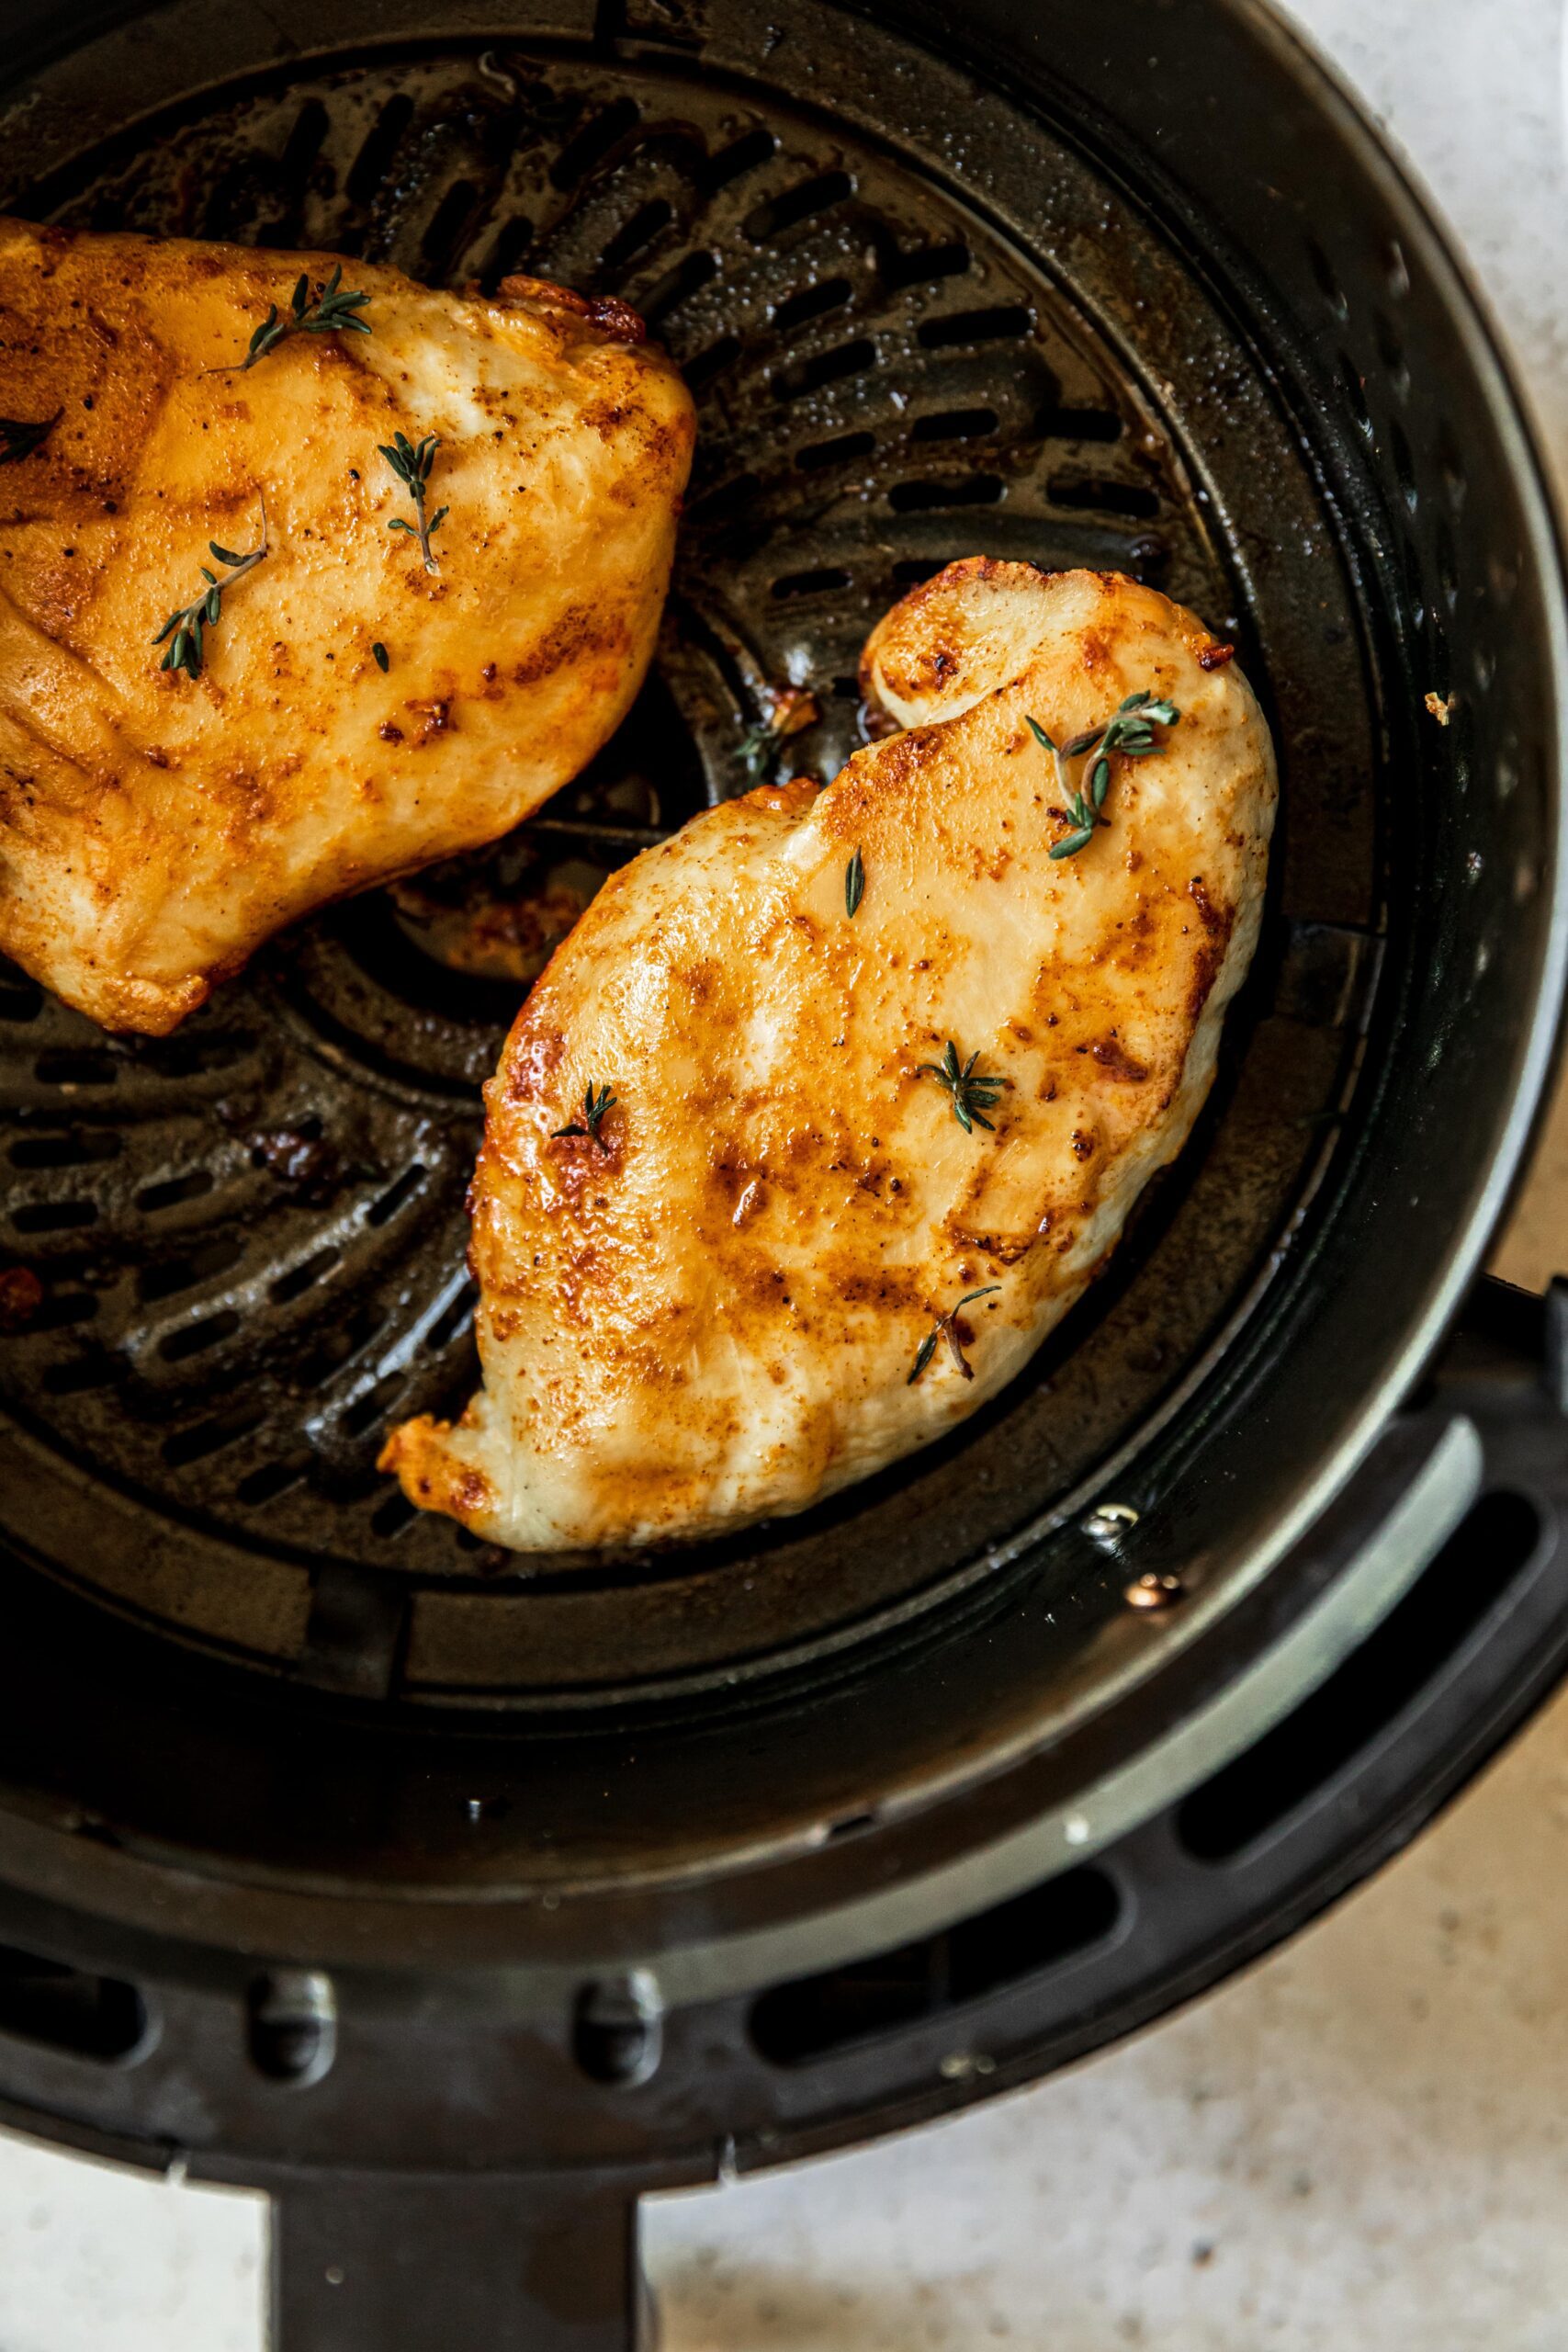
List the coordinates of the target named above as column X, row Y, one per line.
column 250, row 1234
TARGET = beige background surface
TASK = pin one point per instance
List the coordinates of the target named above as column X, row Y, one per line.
column 1363, row 2142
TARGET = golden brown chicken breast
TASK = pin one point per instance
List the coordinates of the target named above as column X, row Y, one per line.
column 830, row 1107
column 467, row 512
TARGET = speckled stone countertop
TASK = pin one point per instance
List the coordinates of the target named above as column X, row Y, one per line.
column 1362, row 2143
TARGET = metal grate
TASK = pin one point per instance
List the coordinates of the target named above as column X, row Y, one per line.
column 250, row 1236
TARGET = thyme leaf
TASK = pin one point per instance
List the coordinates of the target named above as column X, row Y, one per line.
column 19, row 439
column 854, row 885
column 412, row 461
column 973, row 1095
column 947, row 1328
column 185, row 626
column 595, row 1102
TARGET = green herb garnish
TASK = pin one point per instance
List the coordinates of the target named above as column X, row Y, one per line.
column 327, row 311
column 186, row 626
column 792, row 708
column 758, row 749
column 19, row 439
column 1130, row 730
column 412, row 461
column 383, row 660
column 854, row 884
column 972, row 1096
column 948, row 1329
column 595, row 1102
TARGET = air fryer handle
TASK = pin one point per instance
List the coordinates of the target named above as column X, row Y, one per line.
column 375, row 2263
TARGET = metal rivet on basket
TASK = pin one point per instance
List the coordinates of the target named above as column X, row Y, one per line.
column 1108, row 1522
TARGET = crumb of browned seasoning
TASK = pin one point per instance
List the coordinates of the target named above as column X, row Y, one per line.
column 21, row 1296
column 1441, row 707
column 793, row 709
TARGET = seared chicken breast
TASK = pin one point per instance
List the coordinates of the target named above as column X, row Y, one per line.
column 831, row 1106
column 163, row 810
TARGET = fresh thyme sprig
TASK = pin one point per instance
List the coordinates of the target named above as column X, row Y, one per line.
column 327, row 311
column 412, row 461
column 186, row 626
column 972, row 1096
column 854, row 885
column 19, row 439
column 595, row 1102
column 1083, row 816
column 791, row 709
column 947, row 1328
column 1130, row 730
column 757, row 751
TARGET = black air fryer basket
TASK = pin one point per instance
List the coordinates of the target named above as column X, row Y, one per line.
column 458, row 1900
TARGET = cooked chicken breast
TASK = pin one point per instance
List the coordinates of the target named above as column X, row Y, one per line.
column 855, row 1165
column 156, row 825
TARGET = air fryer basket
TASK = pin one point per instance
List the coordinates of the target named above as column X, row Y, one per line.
column 1147, row 297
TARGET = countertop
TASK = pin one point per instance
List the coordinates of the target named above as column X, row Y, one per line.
column 1362, row 2142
